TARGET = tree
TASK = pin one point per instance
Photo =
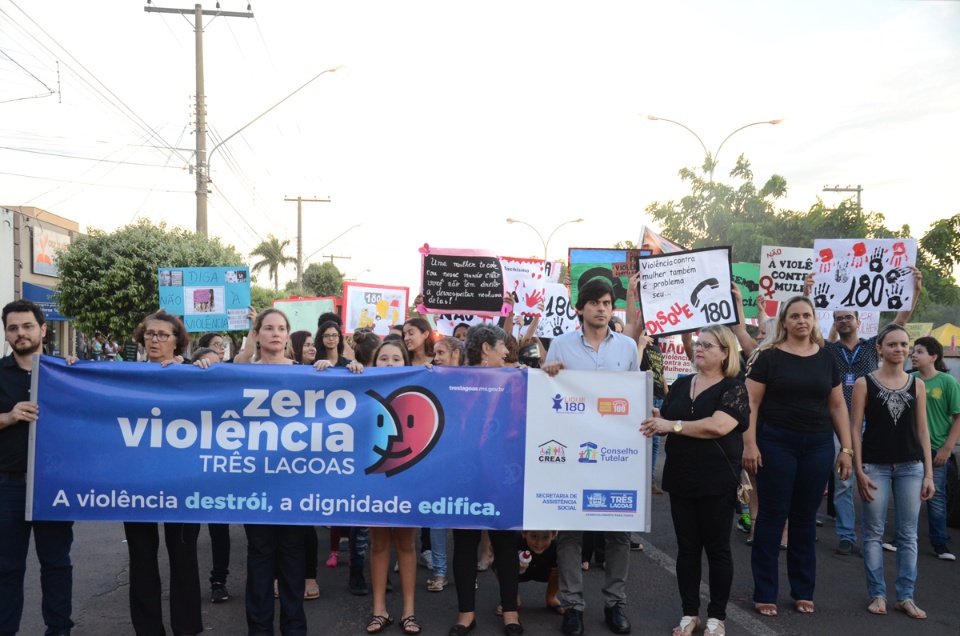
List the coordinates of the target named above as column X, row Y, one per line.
column 109, row 281
column 323, row 279
column 262, row 297
column 272, row 258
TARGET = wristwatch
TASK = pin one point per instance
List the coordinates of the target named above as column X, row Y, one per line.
column 678, row 427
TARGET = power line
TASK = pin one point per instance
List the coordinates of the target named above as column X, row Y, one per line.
column 99, row 185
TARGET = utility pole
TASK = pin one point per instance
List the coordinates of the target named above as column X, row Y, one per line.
column 201, row 129
column 837, row 188
column 300, row 201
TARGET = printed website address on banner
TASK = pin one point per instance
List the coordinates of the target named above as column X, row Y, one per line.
column 484, row 389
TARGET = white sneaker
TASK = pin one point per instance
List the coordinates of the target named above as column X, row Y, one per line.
column 889, row 547
column 943, row 553
column 426, row 559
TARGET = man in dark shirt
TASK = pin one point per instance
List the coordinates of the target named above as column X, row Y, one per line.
column 24, row 328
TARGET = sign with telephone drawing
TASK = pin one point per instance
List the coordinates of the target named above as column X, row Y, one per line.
column 685, row 291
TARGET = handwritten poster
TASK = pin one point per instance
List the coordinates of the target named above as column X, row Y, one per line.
column 864, row 274
column 686, row 290
column 747, row 276
column 524, row 280
column 869, row 322
column 373, row 306
column 208, row 298
column 559, row 314
column 782, row 270
column 467, row 281
column 304, row 312
column 675, row 360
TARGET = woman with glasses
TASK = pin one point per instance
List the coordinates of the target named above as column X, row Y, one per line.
column 164, row 339
column 330, row 343
column 796, row 405
column 213, row 341
column 704, row 415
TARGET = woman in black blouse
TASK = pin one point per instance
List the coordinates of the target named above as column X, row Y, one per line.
column 796, row 406
column 705, row 415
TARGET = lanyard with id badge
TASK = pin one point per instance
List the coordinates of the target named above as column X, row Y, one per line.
column 851, row 378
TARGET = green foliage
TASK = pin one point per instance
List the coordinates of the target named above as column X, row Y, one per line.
column 109, row 281
column 272, row 258
column 624, row 245
column 262, row 297
column 323, row 279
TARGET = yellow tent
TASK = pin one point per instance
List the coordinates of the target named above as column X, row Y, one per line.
column 948, row 335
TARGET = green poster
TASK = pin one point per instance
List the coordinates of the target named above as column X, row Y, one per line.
column 747, row 278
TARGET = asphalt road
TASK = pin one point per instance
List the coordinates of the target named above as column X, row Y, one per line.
column 101, row 607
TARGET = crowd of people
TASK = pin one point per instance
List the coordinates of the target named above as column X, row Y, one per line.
column 771, row 416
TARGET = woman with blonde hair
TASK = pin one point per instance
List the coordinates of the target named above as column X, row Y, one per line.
column 796, row 405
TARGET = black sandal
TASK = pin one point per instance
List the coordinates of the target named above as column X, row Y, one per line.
column 410, row 625
column 378, row 623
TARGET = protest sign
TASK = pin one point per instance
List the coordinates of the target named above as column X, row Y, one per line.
column 559, row 314
column 524, row 280
column 782, row 270
column 373, row 306
column 208, row 298
column 864, row 274
column 918, row 330
column 551, row 271
column 869, row 322
column 747, row 277
column 675, row 360
column 686, row 290
column 282, row 444
column 304, row 312
column 657, row 244
column 587, row 263
column 461, row 281
column 446, row 323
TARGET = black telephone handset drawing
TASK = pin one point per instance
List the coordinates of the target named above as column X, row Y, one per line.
column 712, row 283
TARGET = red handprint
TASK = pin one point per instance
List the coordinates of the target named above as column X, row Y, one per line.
column 859, row 255
column 535, row 298
column 826, row 255
column 899, row 254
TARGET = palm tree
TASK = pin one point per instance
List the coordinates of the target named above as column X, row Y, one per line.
column 272, row 258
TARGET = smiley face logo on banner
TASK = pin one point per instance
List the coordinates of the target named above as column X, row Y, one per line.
column 408, row 425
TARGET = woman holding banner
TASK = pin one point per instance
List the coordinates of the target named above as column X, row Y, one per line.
column 486, row 347
column 705, row 415
column 164, row 338
column 796, row 405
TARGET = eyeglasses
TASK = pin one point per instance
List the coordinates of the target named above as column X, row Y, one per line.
column 218, row 345
column 331, row 336
column 706, row 346
column 849, row 318
column 159, row 336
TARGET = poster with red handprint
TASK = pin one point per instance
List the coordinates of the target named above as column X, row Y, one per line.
column 524, row 279
column 862, row 274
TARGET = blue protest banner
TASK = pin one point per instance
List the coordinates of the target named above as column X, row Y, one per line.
column 441, row 447
column 208, row 298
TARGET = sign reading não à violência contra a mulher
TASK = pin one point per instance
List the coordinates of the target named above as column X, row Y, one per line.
column 291, row 445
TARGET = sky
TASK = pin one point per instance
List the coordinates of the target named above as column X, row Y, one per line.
column 450, row 117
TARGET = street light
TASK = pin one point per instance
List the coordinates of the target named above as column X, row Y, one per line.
column 712, row 160
column 547, row 242
column 203, row 163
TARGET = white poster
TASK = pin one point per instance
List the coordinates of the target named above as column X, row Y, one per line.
column 559, row 316
column 551, row 271
column 373, row 306
column 587, row 462
column 46, row 244
column 524, row 280
column 446, row 323
column 686, row 290
column 864, row 274
column 869, row 322
column 675, row 360
column 782, row 270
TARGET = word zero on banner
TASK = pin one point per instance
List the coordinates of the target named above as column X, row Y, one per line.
column 864, row 274
column 291, row 445
column 685, row 291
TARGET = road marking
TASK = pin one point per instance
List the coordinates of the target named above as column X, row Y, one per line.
column 742, row 618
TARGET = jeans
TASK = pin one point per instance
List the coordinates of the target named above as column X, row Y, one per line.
column 905, row 481
column 52, row 540
column 796, row 465
column 937, row 507
column 569, row 550
column 843, row 504
column 657, row 403
column 438, row 541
